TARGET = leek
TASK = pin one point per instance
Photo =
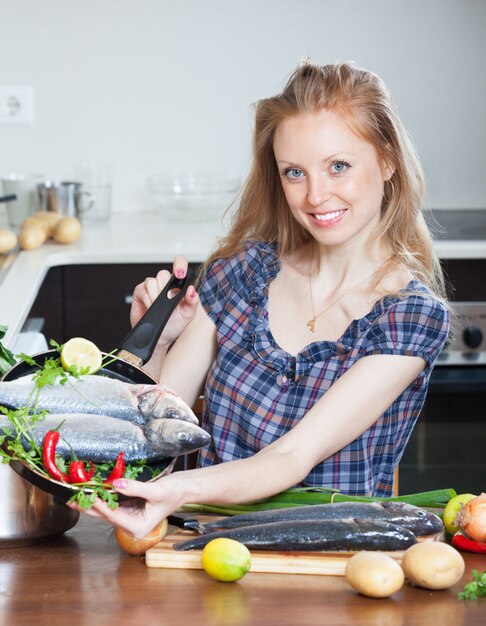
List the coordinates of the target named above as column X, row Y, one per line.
column 300, row 496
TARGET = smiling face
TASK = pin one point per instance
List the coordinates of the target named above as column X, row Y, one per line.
column 332, row 178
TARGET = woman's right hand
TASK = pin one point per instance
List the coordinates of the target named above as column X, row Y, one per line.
column 145, row 293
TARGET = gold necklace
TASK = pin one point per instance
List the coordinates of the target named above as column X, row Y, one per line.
column 311, row 324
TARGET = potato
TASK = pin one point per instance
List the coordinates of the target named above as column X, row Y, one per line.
column 32, row 222
column 47, row 219
column 137, row 547
column 8, row 240
column 433, row 565
column 374, row 574
column 32, row 236
column 67, row 230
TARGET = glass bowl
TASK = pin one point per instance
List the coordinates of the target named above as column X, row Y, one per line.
column 193, row 196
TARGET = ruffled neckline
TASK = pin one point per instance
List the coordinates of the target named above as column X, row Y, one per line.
column 263, row 344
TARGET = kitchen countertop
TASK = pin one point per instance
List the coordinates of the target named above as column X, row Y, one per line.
column 141, row 238
column 129, row 238
column 84, row 578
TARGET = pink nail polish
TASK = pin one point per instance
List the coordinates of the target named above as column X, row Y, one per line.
column 180, row 273
column 120, row 483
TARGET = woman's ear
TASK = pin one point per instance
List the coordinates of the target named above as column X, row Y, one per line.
column 387, row 165
column 388, row 170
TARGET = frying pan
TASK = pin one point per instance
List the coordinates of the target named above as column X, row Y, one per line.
column 135, row 350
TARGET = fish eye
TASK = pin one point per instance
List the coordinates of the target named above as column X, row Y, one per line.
column 182, row 436
column 421, row 513
column 171, row 414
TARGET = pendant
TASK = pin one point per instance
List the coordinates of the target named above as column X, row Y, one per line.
column 311, row 324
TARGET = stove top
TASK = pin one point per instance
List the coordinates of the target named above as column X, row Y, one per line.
column 457, row 224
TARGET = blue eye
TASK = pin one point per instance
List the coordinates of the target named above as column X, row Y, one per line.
column 293, row 173
column 338, row 167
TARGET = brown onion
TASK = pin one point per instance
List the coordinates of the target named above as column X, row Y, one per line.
column 472, row 518
column 137, row 547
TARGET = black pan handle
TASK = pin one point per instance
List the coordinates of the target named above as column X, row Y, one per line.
column 143, row 337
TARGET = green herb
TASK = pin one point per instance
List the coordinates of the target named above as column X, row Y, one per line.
column 84, row 499
column 50, row 373
column 88, row 493
column 300, row 496
column 476, row 588
column 95, row 488
column 6, row 357
column 13, row 440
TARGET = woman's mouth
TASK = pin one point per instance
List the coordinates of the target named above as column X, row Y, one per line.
column 329, row 218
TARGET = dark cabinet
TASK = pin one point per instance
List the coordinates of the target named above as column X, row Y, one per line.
column 91, row 301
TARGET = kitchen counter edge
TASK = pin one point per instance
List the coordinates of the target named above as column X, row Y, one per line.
column 131, row 239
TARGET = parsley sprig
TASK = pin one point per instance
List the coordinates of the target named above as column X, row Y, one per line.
column 476, row 588
column 7, row 359
column 12, row 439
column 88, row 492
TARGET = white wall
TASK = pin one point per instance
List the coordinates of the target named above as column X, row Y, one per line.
column 155, row 85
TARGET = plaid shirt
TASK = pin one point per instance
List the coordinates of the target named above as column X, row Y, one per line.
column 256, row 392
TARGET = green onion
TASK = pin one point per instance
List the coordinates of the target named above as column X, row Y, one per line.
column 300, row 496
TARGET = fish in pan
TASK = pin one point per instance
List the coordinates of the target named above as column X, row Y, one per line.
column 137, row 403
column 99, row 438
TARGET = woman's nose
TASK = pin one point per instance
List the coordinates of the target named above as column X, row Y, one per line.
column 317, row 190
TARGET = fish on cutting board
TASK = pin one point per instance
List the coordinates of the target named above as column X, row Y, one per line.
column 137, row 403
column 416, row 519
column 346, row 535
column 100, row 438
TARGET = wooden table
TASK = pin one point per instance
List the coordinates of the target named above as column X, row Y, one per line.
column 83, row 578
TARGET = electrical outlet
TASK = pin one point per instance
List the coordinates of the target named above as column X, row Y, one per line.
column 16, row 104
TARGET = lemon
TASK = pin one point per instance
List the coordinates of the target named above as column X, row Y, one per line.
column 226, row 559
column 451, row 510
column 82, row 353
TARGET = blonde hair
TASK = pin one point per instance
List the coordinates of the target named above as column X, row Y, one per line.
column 363, row 99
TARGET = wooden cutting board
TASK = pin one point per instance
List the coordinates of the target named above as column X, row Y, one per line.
column 163, row 555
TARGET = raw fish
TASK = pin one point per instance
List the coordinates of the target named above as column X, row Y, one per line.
column 419, row 521
column 100, row 438
column 99, row 395
column 346, row 535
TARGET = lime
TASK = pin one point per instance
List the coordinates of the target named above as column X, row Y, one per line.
column 451, row 510
column 82, row 353
column 226, row 559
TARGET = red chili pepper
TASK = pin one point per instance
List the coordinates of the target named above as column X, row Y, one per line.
column 49, row 456
column 91, row 471
column 118, row 470
column 78, row 473
column 461, row 542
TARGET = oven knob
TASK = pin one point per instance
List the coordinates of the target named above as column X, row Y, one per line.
column 472, row 336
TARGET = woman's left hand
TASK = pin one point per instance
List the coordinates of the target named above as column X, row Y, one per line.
column 152, row 502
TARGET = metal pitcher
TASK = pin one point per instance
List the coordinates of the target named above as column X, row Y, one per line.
column 67, row 198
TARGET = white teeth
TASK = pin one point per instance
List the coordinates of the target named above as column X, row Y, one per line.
column 325, row 217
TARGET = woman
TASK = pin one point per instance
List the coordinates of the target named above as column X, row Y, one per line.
column 319, row 317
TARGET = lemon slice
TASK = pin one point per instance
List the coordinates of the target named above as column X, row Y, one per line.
column 226, row 559
column 82, row 353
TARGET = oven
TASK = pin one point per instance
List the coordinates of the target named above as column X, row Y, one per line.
column 447, row 446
